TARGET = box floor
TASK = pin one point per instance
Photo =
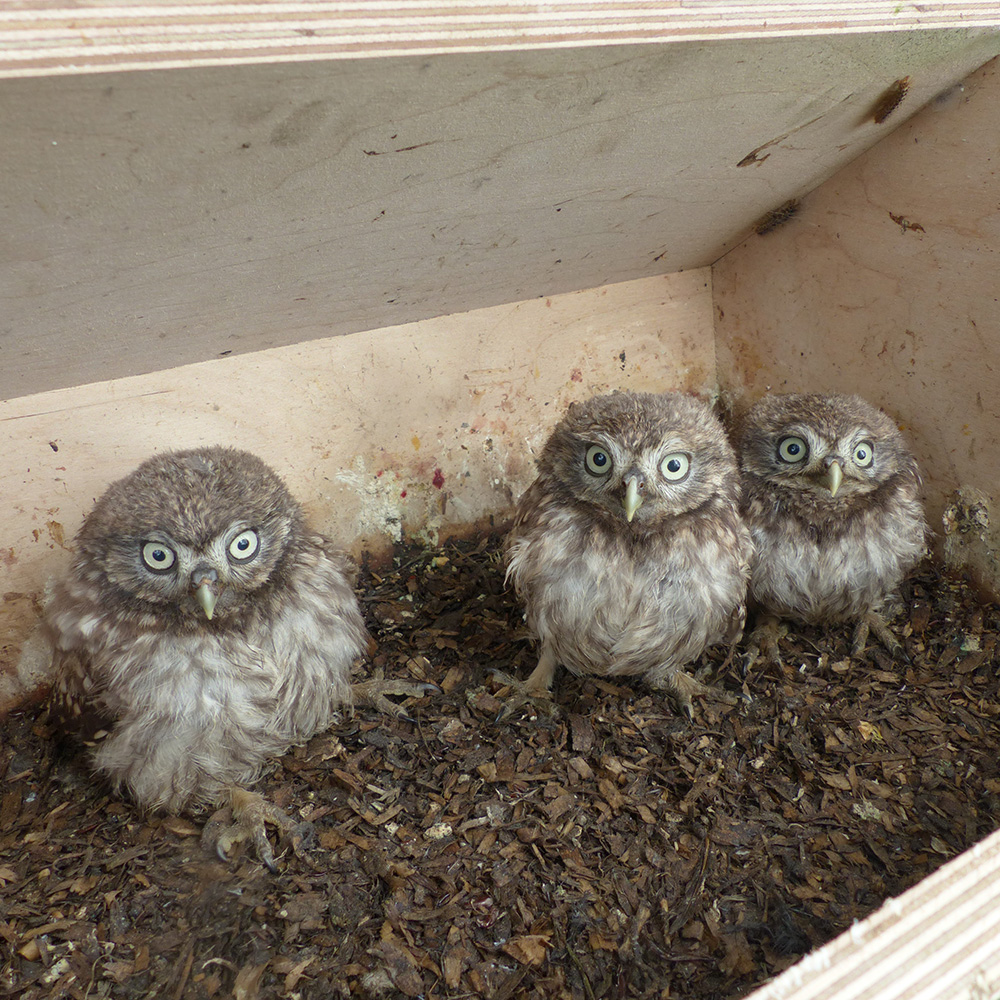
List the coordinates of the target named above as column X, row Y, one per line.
column 610, row 849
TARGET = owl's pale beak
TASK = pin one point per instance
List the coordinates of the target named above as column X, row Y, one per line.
column 633, row 498
column 205, row 581
column 834, row 476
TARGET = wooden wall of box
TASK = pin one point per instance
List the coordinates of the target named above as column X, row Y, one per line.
column 886, row 283
column 388, row 275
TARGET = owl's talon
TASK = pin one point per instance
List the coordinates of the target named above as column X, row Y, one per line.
column 522, row 693
column 764, row 642
column 874, row 622
column 246, row 818
column 682, row 687
column 373, row 693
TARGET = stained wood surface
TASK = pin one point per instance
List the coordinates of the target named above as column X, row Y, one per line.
column 416, row 429
column 157, row 219
column 885, row 284
column 39, row 37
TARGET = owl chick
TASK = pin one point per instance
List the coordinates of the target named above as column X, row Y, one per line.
column 830, row 495
column 628, row 549
column 201, row 631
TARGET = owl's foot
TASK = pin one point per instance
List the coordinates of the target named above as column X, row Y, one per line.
column 764, row 642
column 373, row 693
column 246, row 818
column 527, row 692
column 873, row 622
column 682, row 687
column 537, row 689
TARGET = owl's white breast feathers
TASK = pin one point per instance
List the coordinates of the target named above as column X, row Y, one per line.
column 842, row 577
column 198, row 709
column 639, row 611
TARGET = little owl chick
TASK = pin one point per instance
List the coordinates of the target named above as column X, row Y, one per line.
column 830, row 495
column 628, row 549
column 201, row 631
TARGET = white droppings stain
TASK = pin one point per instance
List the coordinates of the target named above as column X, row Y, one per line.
column 381, row 509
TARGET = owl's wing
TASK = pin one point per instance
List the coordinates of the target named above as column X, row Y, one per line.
column 342, row 563
column 529, row 510
column 75, row 708
column 734, row 626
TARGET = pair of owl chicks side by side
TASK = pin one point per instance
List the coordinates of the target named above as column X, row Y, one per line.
column 638, row 543
column 201, row 631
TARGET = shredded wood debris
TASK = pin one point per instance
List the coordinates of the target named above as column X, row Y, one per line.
column 605, row 848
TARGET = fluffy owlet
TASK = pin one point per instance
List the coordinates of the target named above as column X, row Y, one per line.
column 201, row 631
column 628, row 549
column 831, row 499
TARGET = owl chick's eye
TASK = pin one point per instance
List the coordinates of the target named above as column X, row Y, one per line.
column 792, row 449
column 864, row 454
column 675, row 467
column 158, row 557
column 598, row 460
column 244, row 546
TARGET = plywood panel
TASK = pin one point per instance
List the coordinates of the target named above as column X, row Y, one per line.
column 886, row 283
column 410, row 429
column 156, row 219
column 49, row 36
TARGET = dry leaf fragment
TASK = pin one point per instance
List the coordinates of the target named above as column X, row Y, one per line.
column 400, row 967
column 529, row 949
column 181, row 827
column 295, row 973
column 247, row 982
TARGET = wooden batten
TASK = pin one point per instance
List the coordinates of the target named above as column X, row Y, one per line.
column 158, row 219
column 47, row 37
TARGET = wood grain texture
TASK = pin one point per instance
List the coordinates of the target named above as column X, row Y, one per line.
column 46, row 36
column 885, row 284
column 157, row 219
column 415, row 429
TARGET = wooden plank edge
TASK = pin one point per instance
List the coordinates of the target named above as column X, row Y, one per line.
column 939, row 939
column 39, row 37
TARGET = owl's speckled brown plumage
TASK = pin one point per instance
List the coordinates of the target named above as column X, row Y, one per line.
column 831, row 497
column 628, row 549
column 201, row 627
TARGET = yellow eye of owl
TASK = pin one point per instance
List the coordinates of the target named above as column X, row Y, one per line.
column 864, row 454
column 244, row 546
column 598, row 460
column 675, row 467
column 157, row 556
column 792, row 449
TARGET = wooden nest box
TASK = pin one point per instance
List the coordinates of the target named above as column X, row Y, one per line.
column 383, row 247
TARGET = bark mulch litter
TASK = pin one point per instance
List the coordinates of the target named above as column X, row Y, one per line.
column 610, row 849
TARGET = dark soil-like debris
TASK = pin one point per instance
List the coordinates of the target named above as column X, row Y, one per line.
column 610, row 849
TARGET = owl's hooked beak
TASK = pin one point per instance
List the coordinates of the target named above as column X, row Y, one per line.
column 834, row 476
column 633, row 498
column 204, row 582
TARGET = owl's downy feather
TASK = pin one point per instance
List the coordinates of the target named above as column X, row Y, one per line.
column 828, row 547
column 189, row 704
column 615, row 595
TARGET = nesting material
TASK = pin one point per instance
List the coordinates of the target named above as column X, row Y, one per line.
column 611, row 849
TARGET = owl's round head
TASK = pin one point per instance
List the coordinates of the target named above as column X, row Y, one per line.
column 193, row 531
column 830, row 447
column 639, row 458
